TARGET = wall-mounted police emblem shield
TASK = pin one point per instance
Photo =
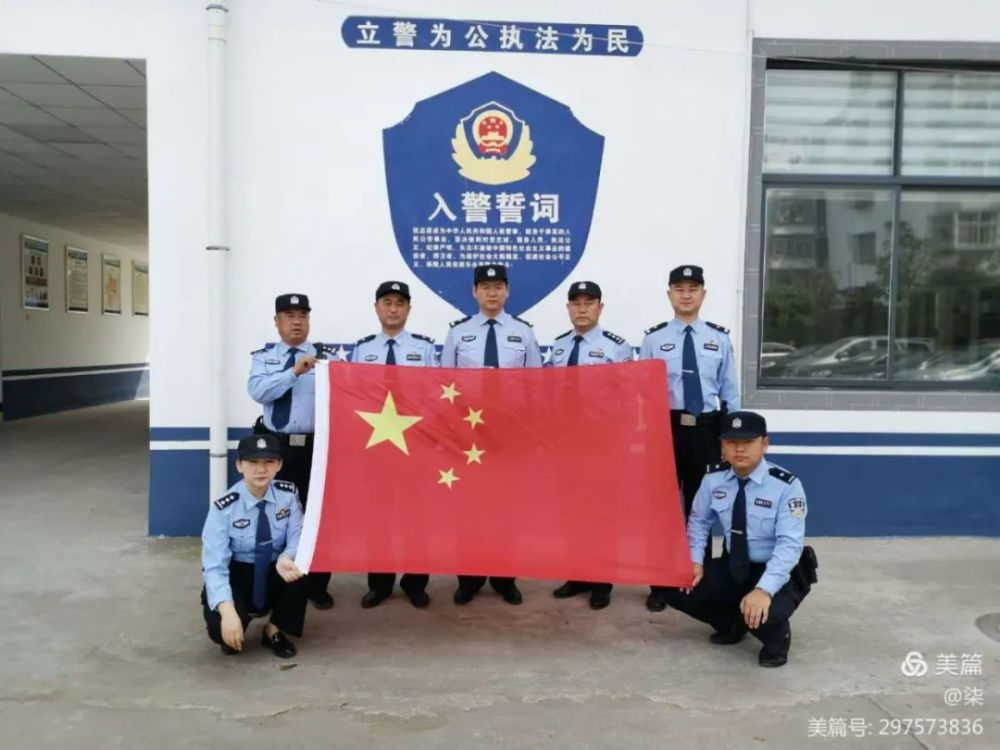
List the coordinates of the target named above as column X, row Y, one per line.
column 492, row 171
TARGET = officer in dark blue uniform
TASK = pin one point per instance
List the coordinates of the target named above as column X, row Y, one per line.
column 249, row 541
column 490, row 338
column 283, row 382
column 701, row 380
column 587, row 343
column 394, row 345
column 766, row 571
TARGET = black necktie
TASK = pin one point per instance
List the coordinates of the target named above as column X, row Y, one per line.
column 694, row 399
column 574, row 355
column 261, row 559
column 491, row 358
column 739, row 555
column 281, row 410
column 390, row 358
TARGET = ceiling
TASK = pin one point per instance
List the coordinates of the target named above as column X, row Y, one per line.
column 73, row 145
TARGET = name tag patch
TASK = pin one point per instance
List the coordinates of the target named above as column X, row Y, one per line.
column 599, row 354
column 762, row 503
column 413, row 357
column 282, row 514
column 272, row 361
column 711, row 346
column 242, row 523
column 468, row 338
column 667, row 347
column 515, row 339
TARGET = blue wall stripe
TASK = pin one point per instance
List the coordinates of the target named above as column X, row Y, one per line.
column 72, row 370
column 31, row 398
column 178, row 433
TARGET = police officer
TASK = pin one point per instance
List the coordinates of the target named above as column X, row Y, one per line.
column 587, row 344
column 767, row 571
column 283, row 382
column 490, row 338
column 701, row 378
column 249, row 541
column 394, row 345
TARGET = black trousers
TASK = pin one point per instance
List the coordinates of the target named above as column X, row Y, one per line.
column 411, row 583
column 695, row 447
column 296, row 467
column 474, row 583
column 716, row 601
column 286, row 601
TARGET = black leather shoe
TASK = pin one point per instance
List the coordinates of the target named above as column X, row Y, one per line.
column 568, row 589
column 279, row 644
column 373, row 598
column 512, row 595
column 733, row 634
column 599, row 599
column 322, row 601
column 775, row 656
column 656, row 601
column 419, row 599
column 464, row 595
column 228, row 650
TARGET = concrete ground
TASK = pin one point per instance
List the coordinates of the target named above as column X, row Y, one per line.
column 103, row 644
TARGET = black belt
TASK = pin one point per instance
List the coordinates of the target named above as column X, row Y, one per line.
column 295, row 439
column 686, row 419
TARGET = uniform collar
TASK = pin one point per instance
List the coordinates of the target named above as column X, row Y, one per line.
column 399, row 338
column 591, row 336
column 757, row 476
column 281, row 348
column 249, row 501
column 698, row 325
column 503, row 318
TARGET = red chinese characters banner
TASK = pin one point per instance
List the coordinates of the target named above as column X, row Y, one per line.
column 556, row 473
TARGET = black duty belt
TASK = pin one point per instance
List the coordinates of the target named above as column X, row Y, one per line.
column 295, row 439
column 685, row 419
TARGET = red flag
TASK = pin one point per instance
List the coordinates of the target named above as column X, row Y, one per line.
column 561, row 473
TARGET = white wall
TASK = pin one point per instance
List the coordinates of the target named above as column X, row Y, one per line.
column 35, row 339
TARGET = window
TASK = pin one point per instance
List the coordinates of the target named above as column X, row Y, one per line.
column 881, row 227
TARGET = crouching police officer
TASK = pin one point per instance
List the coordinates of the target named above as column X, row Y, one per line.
column 394, row 345
column 766, row 572
column 248, row 551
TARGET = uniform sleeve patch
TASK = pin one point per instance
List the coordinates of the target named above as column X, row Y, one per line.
column 226, row 500
column 459, row 321
column 422, row 337
column 778, row 473
column 614, row 337
column 285, row 486
column 717, row 327
column 797, row 507
column 564, row 335
column 282, row 514
column 658, row 326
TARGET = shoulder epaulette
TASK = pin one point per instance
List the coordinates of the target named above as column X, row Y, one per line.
column 522, row 320
column 721, row 466
column 564, row 335
column 420, row 336
column 716, row 326
column 323, row 349
column 614, row 337
column 658, row 326
column 226, row 500
column 778, row 473
column 262, row 350
column 459, row 321
column 285, row 486
column 364, row 340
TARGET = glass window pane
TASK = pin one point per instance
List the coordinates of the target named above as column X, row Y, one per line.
column 951, row 124
column 948, row 320
column 826, row 283
column 829, row 121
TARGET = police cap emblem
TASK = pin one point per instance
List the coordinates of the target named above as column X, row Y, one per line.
column 737, row 423
column 687, row 271
column 294, row 300
column 491, row 272
column 262, row 443
column 582, row 285
column 395, row 287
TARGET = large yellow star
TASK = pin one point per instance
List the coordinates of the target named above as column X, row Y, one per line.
column 447, row 477
column 475, row 417
column 474, row 455
column 450, row 392
column 388, row 424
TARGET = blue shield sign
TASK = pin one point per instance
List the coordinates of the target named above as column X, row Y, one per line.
column 492, row 171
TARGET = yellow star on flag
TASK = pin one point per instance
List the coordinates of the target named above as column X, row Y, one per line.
column 450, row 392
column 388, row 424
column 475, row 417
column 447, row 477
column 474, row 455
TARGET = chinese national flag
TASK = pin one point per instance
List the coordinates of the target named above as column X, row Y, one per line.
column 560, row 473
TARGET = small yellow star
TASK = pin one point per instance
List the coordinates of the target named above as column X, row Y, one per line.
column 447, row 477
column 388, row 424
column 475, row 417
column 450, row 392
column 474, row 455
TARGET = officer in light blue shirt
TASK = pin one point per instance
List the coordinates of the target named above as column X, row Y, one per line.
column 587, row 344
column 249, row 541
column 394, row 345
column 490, row 338
column 282, row 381
column 766, row 571
column 701, row 379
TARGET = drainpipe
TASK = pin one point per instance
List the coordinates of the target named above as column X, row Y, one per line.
column 218, row 251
